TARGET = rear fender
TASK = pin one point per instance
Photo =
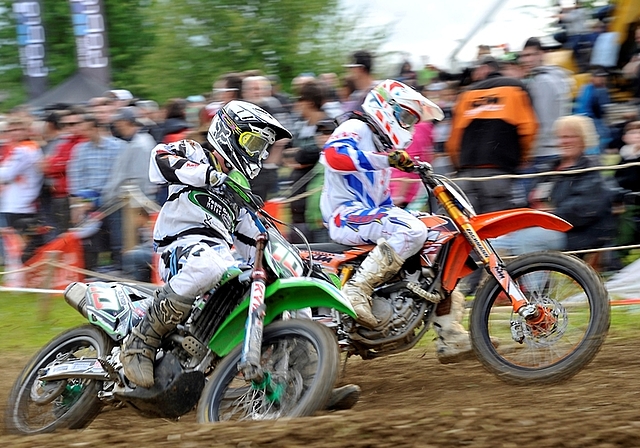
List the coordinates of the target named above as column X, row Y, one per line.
column 333, row 262
column 282, row 295
column 493, row 225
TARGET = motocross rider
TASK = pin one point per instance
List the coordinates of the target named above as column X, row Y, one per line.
column 356, row 203
column 194, row 236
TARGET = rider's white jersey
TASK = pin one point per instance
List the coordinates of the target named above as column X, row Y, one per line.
column 194, row 211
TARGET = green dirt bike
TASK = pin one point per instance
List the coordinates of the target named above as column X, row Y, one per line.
column 239, row 356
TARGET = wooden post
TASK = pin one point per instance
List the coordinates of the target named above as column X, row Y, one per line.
column 129, row 227
column 49, row 269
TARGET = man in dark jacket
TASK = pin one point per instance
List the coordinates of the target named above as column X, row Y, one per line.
column 492, row 133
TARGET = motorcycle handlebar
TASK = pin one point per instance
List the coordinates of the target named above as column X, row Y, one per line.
column 425, row 170
column 422, row 166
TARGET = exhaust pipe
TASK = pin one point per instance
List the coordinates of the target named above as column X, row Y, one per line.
column 76, row 295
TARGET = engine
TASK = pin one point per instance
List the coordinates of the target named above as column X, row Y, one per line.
column 403, row 317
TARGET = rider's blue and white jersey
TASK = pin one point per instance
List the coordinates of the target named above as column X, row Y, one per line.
column 355, row 172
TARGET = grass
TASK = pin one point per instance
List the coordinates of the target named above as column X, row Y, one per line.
column 30, row 320
column 625, row 322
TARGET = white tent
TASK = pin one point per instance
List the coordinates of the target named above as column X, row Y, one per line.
column 625, row 284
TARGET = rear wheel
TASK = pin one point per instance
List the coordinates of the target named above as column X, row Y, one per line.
column 300, row 359
column 574, row 319
column 36, row 406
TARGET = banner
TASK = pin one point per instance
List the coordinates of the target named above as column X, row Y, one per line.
column 91, row 39
column 36, row 272
column 31, row 42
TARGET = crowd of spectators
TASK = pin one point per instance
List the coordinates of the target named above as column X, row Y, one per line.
column 60, row 166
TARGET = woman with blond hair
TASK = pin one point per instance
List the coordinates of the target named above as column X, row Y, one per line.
column 583, row 198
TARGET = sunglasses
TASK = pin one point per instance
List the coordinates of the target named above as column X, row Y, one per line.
column 324, row 131
column 71, row 123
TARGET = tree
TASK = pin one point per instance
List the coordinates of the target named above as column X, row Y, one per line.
column 125, row 25
column 161, row 49
column 12, row 90
column 130, row 38
column 207, row 38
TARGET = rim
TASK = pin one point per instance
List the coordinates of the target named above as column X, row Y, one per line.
column 40, row 404
column 290, row 363
column 566, row 313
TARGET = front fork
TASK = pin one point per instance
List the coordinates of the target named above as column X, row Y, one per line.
column 249, row 364
column 252, row 347
column 521, row 305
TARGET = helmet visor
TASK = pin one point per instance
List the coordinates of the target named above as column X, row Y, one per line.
column 254, row 144
column 406, row 118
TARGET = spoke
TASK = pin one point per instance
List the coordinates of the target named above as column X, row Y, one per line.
column 290, row 363
column 41, row 415
column 557, row 335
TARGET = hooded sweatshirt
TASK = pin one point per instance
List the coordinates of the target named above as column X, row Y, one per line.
column 550, row 90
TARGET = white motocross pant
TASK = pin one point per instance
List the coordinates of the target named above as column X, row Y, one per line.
column 355, row 225
column 192, row 267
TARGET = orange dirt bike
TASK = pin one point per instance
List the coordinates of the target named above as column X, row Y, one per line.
column 547, row 313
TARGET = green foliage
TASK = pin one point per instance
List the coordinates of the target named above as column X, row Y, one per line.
column 129, row 40
column 207, row 38
column 12, row 92
column 60, row 52
column 161, row 49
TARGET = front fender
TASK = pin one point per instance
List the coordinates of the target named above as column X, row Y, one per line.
column 493, row 225
column 280, row 296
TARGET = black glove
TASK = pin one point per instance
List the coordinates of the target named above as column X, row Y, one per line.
column 257, row 200
column 400, row 159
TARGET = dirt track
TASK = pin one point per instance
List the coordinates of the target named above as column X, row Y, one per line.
column 409, row 400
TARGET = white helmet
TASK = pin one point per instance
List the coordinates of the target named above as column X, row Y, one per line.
column 395, row 108
column 242, row 133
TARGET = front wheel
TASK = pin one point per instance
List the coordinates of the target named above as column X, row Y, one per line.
column 300, row 359
column 36, row 406
column 575, row 308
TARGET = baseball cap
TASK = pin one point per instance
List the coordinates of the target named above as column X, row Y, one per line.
column 120, row 94
column 325, row 125
column 129, row 114
column 599, row 72
column 147, row 105
column 489, row 61
column 360, row 59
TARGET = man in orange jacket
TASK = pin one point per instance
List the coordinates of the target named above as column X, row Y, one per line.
column 492, row 133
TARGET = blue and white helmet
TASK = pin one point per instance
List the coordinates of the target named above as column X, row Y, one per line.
column 242, row 133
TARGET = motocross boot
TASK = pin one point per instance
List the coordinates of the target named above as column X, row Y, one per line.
column 381, row 264
column 139, row 351
column 453, row 343
column 344, row 397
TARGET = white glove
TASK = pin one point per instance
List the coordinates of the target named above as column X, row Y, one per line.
column 216, row 178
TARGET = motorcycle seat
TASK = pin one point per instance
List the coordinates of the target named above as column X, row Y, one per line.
column 333, row 248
